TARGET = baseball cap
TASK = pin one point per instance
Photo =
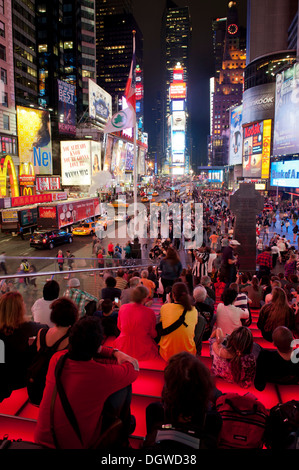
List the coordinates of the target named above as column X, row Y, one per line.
column 74, row 282
column 234, row 242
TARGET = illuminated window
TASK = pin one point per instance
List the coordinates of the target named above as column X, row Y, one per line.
column 43, row 48
column 68, row 45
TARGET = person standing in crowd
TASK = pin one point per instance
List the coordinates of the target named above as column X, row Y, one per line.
column 171, row 268
column 24, row 268
column 3, row 262
column 229, row 262
column 60, row 260
column 70, row 262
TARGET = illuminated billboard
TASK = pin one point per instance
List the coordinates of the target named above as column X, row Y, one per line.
column 286, row 127
column 178, row 90
column 178, row 141
column 95, row 153
column 108, row 153
column 285, row 174
column 215, row 176
column 66, row 108
column 178, row 121
column 235, row 142
column 75, row 162
column 177, row 105
column 178, row 159
column 100, row 102
column 256, row 149
column 34, row 133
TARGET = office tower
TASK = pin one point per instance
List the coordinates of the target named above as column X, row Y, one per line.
column 227, row 85
column 117, row 54
column 267, row 26
column 8, row 133
column 24, row 51
column 175, row 40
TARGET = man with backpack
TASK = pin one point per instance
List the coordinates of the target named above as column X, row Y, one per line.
column 24, row 268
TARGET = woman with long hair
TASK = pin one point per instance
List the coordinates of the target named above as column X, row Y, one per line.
column 171, row 268
column 17, row 333
column 183, row 338
column 276, row 313
column 232, row 356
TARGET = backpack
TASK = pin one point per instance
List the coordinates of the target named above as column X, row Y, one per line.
column 243, row 421
column 282, row 425
column 37, row 371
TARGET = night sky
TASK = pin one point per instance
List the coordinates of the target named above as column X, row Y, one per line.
column 148, row 15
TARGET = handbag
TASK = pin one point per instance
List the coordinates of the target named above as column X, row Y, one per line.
column 102, row 440
column 169, row 329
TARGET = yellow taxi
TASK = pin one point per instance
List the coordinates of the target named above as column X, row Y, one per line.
column 119, row 203
column 144, row 199
column 104, row 222
column 87, row 228
column 155, row 193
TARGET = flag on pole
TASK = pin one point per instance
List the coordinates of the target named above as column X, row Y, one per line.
column 124, row 119
column 130, row 91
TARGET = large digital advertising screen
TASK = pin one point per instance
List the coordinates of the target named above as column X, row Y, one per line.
column 34, row 136
column 100, row 102
column 66, row 108
column 286, row 127
column 75, row 163
column 178, row 90
column 178, row 141
column 256, row 149
column 236, row 139
column 285, row 174
column 178, row 121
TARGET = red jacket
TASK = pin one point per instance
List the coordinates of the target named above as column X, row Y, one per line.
column 87, row 385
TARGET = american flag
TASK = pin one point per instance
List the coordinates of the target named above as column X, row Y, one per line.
column 130, row 91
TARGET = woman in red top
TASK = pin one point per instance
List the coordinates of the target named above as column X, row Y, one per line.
column 90, row 376
column 137, row 325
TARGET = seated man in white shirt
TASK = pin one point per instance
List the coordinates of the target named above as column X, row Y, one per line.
column 228, row 316
column 41, row 308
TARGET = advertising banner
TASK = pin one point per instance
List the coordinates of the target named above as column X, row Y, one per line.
column 34, row 199
column 130, row 157
column 66, row 108
column 10, row 216
column 34, row 134
column 178, row 159
column 75, row 163
column 108, row 153
column 100, row 102
column 47, row 212
column 95, row 148
column 48, row 183
column 70, row 213
column 285, row 174
column 178, row 121
column 259, row 103
column 178, row 90
column 286, row 126
column 235, row 142
column 252, row 150
column 178, row 142
column 215, row 176
column 266, row 149
column 28, row 217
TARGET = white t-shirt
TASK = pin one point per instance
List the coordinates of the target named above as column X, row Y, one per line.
column 228, row 317
column 41, row 311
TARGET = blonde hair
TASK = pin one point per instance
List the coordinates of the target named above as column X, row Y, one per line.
column 12, row 312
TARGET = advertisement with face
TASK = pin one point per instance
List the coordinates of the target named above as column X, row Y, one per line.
column 235, row 142
column 130, row 157
column 286, row 126
column 75, row 163
column 100, row 102
column 34, row 133
column 252, row 150
column 95, row 149
column 108, row 153
column 66, row 108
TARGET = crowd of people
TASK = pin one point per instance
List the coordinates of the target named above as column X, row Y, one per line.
column 209, row 301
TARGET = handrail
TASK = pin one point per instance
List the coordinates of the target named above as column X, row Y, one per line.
column 52, row 273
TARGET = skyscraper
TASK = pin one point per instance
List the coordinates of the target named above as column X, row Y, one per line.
column 228, row 83
column 175, row 41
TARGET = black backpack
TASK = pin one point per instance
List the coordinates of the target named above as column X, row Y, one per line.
column 282, row 425
column 37, row 371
